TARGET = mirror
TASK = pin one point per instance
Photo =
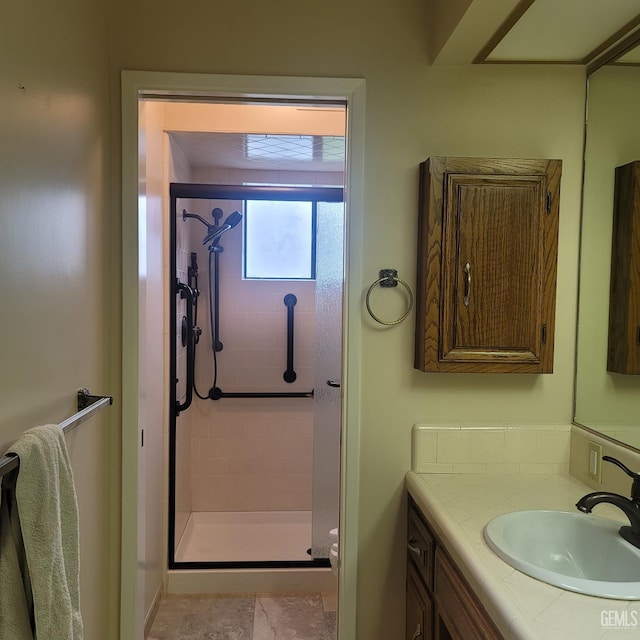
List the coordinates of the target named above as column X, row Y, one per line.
column 608, row 403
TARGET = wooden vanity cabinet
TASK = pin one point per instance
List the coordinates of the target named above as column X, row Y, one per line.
column 420, row 573
column 440, row 603
column 623, row 353
column 487, row 262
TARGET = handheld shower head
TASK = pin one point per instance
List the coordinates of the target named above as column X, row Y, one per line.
column 213, row 236
column 233, row 219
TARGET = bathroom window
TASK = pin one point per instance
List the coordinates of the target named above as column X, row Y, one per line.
column 279, row 240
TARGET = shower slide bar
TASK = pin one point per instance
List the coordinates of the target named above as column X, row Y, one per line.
column 88, row 405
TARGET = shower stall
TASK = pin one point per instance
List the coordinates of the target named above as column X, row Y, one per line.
column 256, row 284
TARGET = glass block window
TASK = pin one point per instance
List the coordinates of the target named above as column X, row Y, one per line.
column 279, row 240
column 267, row 146
column 279, row 147
column 332, row 148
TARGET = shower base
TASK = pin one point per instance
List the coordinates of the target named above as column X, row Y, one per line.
column 240, row 537
column 261, row 536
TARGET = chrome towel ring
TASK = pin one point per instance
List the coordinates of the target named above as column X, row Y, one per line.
column 389, row 278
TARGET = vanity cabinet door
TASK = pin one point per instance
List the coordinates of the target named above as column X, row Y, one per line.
column 440, row 605
column 487, row 256
column 420, row 546
column 460, row 615
column 623, row 353
column 419, row 608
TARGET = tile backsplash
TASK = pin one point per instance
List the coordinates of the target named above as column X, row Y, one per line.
column 490, row 449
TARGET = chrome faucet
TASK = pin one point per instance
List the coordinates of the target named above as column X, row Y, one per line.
column 630, row 506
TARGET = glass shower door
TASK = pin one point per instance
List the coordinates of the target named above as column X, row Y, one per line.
column 327, row 403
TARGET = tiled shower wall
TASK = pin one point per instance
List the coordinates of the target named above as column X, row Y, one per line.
column 252, row 454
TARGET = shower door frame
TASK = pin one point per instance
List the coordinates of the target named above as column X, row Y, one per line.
column 140, row 85
column 233, row 193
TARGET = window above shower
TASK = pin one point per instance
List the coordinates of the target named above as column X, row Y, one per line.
column 279, row 240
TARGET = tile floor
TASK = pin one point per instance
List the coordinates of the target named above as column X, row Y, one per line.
column 253, row 616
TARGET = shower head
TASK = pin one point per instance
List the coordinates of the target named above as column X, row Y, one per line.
column 233, row 219
column 215, row 232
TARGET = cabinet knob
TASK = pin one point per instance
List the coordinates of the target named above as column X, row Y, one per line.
column 412, row 545
column 418, row 632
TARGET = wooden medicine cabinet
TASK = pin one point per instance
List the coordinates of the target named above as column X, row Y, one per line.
column 487, row 262
column 623, row 353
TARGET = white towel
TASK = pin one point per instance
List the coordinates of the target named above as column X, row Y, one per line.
column 45, row 503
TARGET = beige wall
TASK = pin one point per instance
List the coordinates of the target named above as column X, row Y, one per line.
column 54, row 245
column 55, row 332
column 413, row 111
column 501, row 111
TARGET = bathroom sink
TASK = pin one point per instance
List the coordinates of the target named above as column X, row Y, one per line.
column 573, row 551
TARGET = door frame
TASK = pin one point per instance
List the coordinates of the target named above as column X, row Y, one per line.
column 140, row 84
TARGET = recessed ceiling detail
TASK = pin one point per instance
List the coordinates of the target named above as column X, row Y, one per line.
column 564, row 30
column 632, row 57
column 266, row 137
column 261, row 151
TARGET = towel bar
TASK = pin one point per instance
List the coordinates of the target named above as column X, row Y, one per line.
column 87, row 405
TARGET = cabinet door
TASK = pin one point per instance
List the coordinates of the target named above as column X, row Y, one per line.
column 487, row 254
column 420, row 545
column 459, row 614
column 419, row 613
column 623, row 353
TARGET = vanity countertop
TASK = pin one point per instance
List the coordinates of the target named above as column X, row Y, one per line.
column 458, row 506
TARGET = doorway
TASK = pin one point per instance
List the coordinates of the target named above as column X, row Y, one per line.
column 256, row 274
column 139, row 588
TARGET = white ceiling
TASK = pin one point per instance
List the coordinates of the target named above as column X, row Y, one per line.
column 529, row 31
column 564, row 30
column 631, row 57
